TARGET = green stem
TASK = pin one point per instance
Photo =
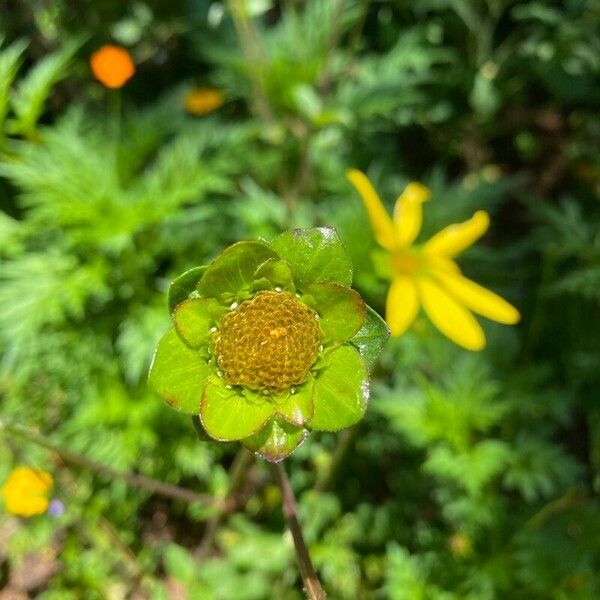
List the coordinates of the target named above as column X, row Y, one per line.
column 312, row 585
column 152, row 485
column 254, row 54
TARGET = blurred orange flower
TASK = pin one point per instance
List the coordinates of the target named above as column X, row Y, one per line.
column 26, row 490
column 112, row 66
column 201, row 101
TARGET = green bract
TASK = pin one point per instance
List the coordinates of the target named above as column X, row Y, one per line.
column 270, row 342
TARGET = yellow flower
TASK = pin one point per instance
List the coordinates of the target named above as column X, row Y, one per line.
column 112, row 66
column 26, row 490
column 427, row 275
column 201, row 101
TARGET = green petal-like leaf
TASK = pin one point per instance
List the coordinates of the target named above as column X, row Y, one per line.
column 229, row 413
column 276, row 440
column 341, row 390
column 181, row 288
column 202, row 435
column 278, row 273
column 315, row 254
column 234, row 269
column 372, row 337
column 297, row 406
column 178, row 374
column 194, row 318
column 341, row 310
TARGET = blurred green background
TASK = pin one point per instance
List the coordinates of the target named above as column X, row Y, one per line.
column 474, row 475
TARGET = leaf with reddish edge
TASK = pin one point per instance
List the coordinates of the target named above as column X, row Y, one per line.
column 276, row 440
column 178, row 374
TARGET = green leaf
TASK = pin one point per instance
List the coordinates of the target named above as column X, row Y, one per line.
column 372, row 337
column 277, row 273
column 276, row 440
column 315, row 254
column 341, row 310
column 181, row 287
column 202, row 435
column 228, row 413
column 194, row 318
column 297, row 406
column 179, row 564
column 178, row 374
column 10, row 60
column 234, row 269
column 31, row 93
column 341, row 390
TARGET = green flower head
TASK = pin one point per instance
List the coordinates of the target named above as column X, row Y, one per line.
column 269, row 342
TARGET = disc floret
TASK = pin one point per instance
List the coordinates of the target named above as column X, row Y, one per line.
column 268, row 343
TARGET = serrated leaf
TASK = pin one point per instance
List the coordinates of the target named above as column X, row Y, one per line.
column 234, row 269
column 28, row 98
column 178, row 374
column 371, row 337
column 341, row 310
column 10, row 60
column 229, row 413
column 314, row 255
column 341, row 390
column 276, row 440
column 181, row 287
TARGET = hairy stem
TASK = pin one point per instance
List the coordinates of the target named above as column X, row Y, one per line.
column 312, row 585
column 152, row 485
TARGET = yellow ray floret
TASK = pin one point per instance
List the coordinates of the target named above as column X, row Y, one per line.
column 427, row 276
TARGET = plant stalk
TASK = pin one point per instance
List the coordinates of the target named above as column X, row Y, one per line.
column 152, row 485
column 312, row 585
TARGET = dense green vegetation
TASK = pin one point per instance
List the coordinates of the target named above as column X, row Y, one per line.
column 474, row 475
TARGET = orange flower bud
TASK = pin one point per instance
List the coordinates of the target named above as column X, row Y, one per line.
column 202, row 101
column 112, row 66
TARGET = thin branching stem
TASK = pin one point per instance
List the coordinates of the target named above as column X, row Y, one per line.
column 312, row 585
column 152, row 485
column 254, row 53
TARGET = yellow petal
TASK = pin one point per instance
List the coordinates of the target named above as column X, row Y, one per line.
column 380, row 220
column 439, row 262
column 402, row 305
column 452, row 319
column 452, row 240
column 478, row 299
column 408, row 213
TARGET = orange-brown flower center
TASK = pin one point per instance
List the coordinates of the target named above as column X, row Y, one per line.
column 268, row 343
